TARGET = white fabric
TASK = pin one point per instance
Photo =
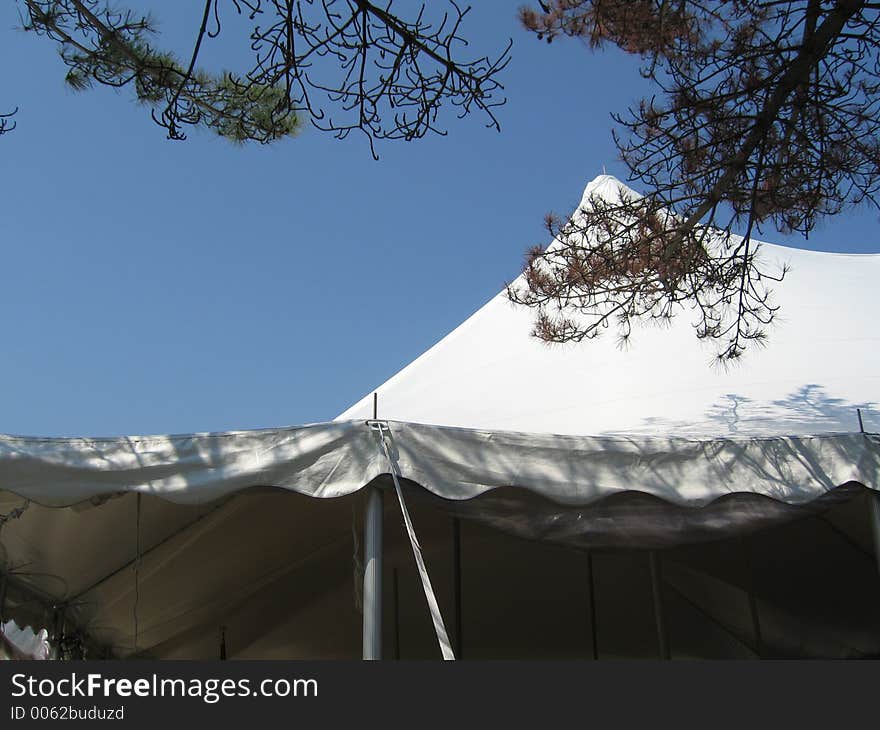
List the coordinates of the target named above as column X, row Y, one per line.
column 822, row 361
column 25, row 642
column 331, row 460
column 491, row 406
column 324, row 460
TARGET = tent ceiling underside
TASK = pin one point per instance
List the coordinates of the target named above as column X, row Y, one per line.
column 276, row 570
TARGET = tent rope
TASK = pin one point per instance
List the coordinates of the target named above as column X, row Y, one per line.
column 381, row 427
column 137, row 569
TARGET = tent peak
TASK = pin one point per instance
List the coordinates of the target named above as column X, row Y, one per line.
column 606, row 187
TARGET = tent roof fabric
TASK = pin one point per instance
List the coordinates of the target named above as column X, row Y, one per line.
column 822, row 362
column 489, row 406
column 335, row 459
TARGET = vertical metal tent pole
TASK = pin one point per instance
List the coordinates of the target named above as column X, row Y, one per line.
column 873, row 505
column 753, row 600
column 875, row 523
column 456, row 584
column 659, row 617
column 372, row 646
column 396, row 596
column 372, row 641
column 594, row 635
column 3, row 585
column 57, row 638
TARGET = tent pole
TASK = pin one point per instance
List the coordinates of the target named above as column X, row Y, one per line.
column 756, row 624
column 753, row 601
column 659, row 618
column 593, row 631
column 58, row 630
column 873, row 506
column 396, row 614
column 372, row 642
column 875, row 522
column 4, row 582
column 456, row 584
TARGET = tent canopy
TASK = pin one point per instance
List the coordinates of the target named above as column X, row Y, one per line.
column 490, row 406
column 585, row 445
column 822, row 362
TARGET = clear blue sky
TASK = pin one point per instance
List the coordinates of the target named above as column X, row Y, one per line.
column 152, row 286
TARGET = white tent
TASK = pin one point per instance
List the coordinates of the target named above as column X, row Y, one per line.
column 166, row 543
column 822, row 363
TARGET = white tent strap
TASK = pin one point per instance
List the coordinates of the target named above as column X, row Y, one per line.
column 439, row 627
